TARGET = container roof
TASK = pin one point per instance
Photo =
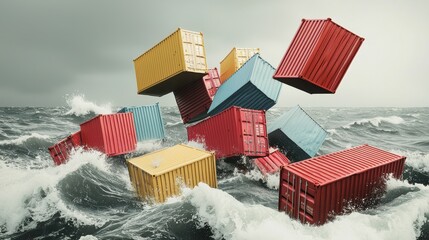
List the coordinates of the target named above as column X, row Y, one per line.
column 329, row 168
column 167, row 159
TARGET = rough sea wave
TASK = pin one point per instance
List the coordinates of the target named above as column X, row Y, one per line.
column 91, row 197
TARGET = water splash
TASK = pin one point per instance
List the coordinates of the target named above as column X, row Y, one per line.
column 230, row 219
column 33, row 193
column 415, row 159
column 79, row 106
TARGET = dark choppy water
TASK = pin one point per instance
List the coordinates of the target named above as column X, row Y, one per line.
column 90, row 197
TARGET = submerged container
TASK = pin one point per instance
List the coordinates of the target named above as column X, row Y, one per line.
column 160, row 174
column 233, row 132
column 234, row 60
column 112, row 134
column 252, row 87
column 195, row 99
column 316, row 189
column 297, row 134
column 318, row 57
column 61, row 150
column 271, row 163
column 173, row 63
column 147, row 121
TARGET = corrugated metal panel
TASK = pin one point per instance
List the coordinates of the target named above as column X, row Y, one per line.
column 195, row 99
column 112, row 134
column 60, row 151
column 252, row 87
column 297, row 134
column 173, row 63
column 158, row 175
column 318, row 57
column 233, row 132
column 271, row 163
column 147, row 121
column 314, row 189
column 234, row 60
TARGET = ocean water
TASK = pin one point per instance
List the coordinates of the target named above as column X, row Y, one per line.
column 90, row 197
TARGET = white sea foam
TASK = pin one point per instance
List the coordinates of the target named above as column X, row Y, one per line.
column 231, row 219
column 270, row 180
column 79, row 106
column 148, row 146
column 415, row 159
column 88, row 237
column 199, row 145
column 171, row 124
column 20, row 140
column 377, row 121
column 32, row 192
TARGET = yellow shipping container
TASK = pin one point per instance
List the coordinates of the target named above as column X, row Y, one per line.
column 176, row 61
column 234, row 60
column 158, row 175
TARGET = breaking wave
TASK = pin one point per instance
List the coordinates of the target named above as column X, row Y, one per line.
column 377, row 121
column 33, row 193
column 79, row 106
column 415, row 159
column 231, row 219
column 22, row 139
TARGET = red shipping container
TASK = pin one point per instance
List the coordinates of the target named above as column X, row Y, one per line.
column 314, row 190
column 195, row 99
column 233, row 132
column 318, row 57
column 112, row 134
column 271, row 163
column 60, row 151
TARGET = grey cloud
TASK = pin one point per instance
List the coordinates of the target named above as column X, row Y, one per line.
column 52, row 48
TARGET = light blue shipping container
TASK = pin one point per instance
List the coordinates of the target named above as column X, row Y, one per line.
column 252, row 87
column 296, row 133
column 148, row 122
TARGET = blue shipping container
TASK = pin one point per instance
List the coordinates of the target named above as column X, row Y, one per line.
column 252, row 87
column 296, row 133
column 148, row 122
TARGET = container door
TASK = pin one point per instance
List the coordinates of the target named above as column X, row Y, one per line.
column 193, row 49
column 287, row 198
column 306, row 201
column 254, row 133
column 212, row 82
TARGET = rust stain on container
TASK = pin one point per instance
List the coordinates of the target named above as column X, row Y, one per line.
column 195, row 99
column 233, row 132
column 158, row 175
column 173, row 63
column 112, row 134
column 314, row 189
column 318, row 57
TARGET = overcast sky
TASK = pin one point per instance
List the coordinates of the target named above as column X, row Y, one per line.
column 50, row 49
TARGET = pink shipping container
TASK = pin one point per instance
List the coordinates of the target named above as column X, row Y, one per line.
column 112, row 134
column 316, row 189
column 60, row 151
column 272, row 163
column 318, row 57
column 233, row 132
column 195, row 99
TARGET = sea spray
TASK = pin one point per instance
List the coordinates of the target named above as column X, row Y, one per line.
column 231, row 219
column 79, row 106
